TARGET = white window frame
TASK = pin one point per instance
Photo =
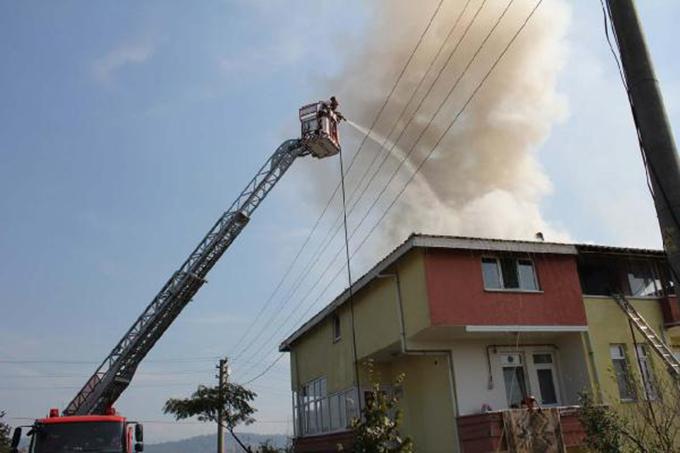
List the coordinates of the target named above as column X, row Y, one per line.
column 533, row 375
column 522, row 365
column 647, row 371
column 314, row 408
column 499, row 270
column 656, row 282
column 620, row 347
column 531, row 371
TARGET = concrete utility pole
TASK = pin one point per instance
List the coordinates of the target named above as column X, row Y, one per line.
column 223, row 374
column 658, row 146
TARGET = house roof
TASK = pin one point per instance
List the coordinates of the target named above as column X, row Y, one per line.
column 607, row 249
column 417, row 240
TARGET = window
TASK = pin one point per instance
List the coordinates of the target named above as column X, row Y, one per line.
column 514, row 379
column 642, row 279
column 296, row 416
column 545, row 375
column 647, row 372
column 509, row 273
column 491, row 274
column 337, row 334
column 316, row 412
column 527, row 277
column 604, row 275
column 312, row 410
column 622, row 371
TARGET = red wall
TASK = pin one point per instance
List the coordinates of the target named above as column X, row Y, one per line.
column 457, row 296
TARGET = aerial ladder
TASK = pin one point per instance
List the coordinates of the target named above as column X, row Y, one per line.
column 93, row 404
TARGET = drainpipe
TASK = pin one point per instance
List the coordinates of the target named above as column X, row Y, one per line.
column 587, row 343
column 406, row 350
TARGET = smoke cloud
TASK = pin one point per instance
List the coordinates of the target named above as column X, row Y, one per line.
column 484, row 178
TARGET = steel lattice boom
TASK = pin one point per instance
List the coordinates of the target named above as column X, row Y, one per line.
column 115, row 373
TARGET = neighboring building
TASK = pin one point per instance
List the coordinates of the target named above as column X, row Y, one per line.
column 476, row 325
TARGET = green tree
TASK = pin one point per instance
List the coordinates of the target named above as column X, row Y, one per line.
column 649, row 424
column 378, row 430
column 205, row 404
column 602, row 426
column 5, row 439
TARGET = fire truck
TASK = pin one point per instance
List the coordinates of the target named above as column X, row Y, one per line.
column 90, row 423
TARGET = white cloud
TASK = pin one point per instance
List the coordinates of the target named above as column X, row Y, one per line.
column 105, row 67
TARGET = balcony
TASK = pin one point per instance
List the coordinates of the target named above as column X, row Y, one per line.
column 324, row 443
column 486, row 432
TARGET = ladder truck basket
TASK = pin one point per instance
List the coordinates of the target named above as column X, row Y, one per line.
column 319, row 128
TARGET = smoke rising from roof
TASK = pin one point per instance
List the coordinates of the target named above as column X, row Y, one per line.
column 484, row 178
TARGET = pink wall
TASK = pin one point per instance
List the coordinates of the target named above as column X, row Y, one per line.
column 457, row 296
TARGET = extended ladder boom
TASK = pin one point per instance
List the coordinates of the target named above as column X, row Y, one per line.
column 115, row 373
column 319, row 137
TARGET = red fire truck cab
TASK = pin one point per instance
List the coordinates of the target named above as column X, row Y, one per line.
column 110, row 433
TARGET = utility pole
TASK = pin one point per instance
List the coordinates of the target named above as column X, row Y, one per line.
column 654, row 131
column 223, row 374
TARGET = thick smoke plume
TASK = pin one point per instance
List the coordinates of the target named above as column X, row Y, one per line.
column 484, row 178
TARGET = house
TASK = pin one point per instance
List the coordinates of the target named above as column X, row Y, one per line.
column 476, row 325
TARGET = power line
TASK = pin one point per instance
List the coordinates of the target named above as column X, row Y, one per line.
column 335, row 191
column 650, row 171
column 84, row 376
column 92, row 362
column 268, row 389
column 325, row 243
column 420, row 104
column 266, row 370
column 396, row 170
column 335, row 228
column 446, row 131
column 72, row 387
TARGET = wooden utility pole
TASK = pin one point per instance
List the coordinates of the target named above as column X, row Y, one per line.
column 654, row 131
column 223, row 374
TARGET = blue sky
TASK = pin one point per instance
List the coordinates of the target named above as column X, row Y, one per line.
column 126, row 128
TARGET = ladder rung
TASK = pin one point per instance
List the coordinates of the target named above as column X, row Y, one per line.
column 657, row 344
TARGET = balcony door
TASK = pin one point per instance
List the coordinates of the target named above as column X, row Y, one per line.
column 530, row 373
column 543, row 378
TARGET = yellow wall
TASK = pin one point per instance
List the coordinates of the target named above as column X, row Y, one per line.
column 607, row 325
column 429, row 417
column 426, row 403
column 316, row 355
column 376, row 325
column 411, row 269
column 376, row 318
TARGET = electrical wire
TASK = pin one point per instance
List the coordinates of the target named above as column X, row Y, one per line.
column 396, row 170
column 319, row 253
column 336, row 224
column 650, row 171
column 92, row 362
column 439, row 140
column 337, row 188
column 266, row 370
column 415, row 91
column 350, row 299
column 394, row 173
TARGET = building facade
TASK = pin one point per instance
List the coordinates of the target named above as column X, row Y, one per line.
column 476, row 326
